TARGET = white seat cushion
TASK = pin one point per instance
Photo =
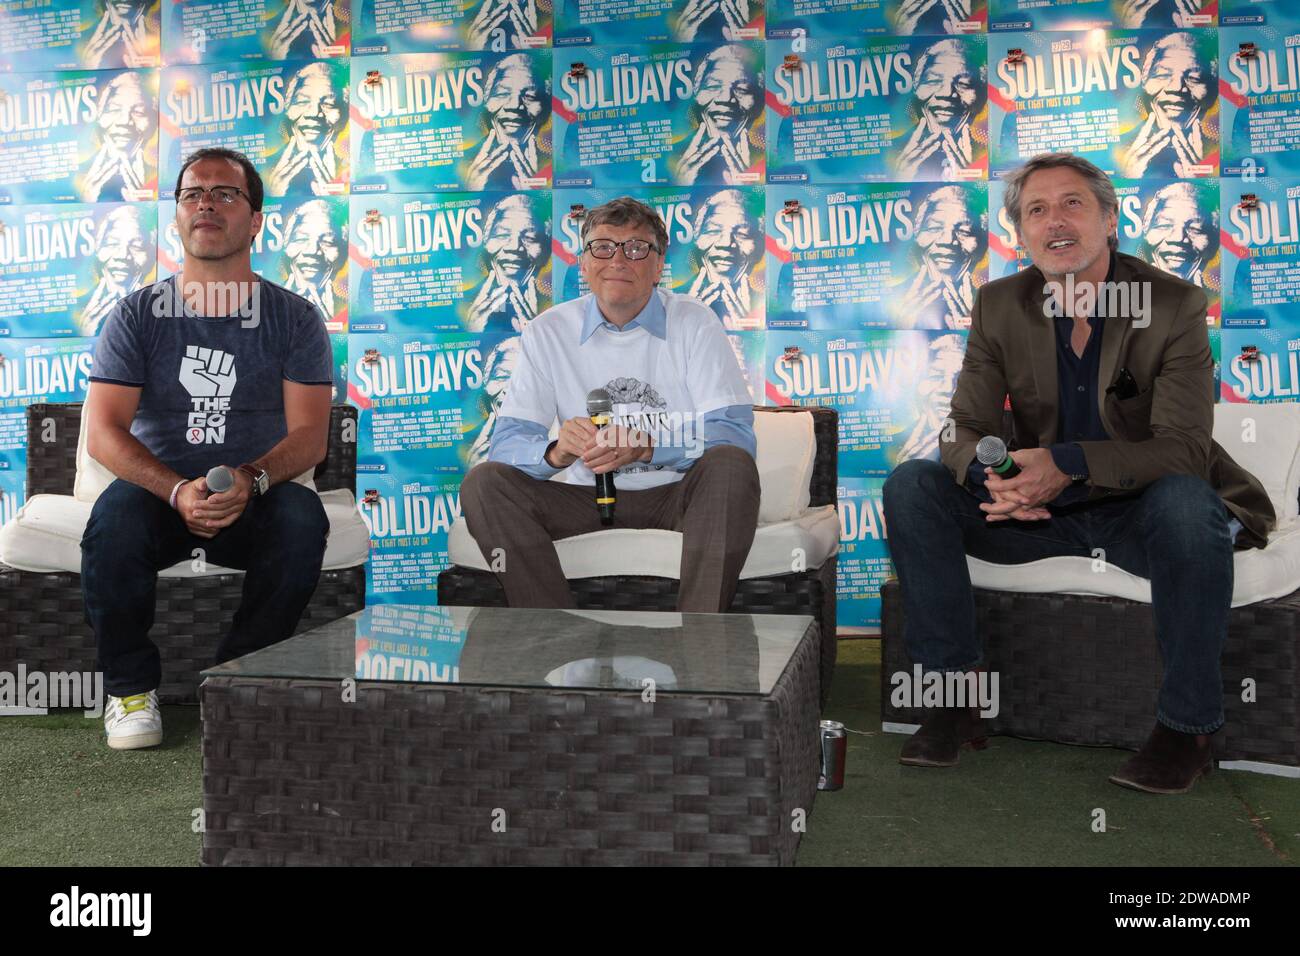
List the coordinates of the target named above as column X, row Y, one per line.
column 45, row 536
column 1259, row 574
column 1265, row 440
column 787, row 449
column 652, row 553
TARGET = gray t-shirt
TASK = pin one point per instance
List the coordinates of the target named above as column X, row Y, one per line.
column 213, row 388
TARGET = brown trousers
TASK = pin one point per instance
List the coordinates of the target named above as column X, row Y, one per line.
column 714, row 506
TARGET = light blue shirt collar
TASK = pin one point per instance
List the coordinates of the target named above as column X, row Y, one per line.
column 653, row 318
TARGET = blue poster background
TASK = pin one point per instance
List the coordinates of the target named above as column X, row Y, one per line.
column 67, row 34
column 199, row 31
column 63, row 267
column 673, row 113
column 888, row 108
column 429, row 398
column 290, row 119
column 1094, row 14
column 417, row 26
column 891, row 389
column 408, row 514
column 477, row 121
column 79, row 136
column 863, row 563
column 1261, row 365
column 1138, row 103
column 891, row 256
column 583, row 22
column 1261, row 242
column 476, row 262
column 821, row 18
column 32, row 371
column 1261, row 105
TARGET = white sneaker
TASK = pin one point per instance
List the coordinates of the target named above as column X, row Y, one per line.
column 133, row 722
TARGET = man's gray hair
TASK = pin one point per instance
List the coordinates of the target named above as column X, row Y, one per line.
column 1097, row 180
column 626, row 211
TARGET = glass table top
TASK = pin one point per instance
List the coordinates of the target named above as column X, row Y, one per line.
column 528, row 647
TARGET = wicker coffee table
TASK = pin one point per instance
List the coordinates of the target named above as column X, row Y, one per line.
column 445, row 735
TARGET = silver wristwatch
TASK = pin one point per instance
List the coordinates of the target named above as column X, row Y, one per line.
column 261, row 480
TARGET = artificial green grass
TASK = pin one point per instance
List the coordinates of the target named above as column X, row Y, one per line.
column 1028, row 803
column 66, row 799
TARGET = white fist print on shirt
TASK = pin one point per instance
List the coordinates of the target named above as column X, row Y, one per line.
column 207, row 373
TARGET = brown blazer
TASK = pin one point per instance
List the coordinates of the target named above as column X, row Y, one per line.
column 1164, row 430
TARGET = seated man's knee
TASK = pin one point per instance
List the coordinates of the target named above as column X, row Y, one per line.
column 1183, row 501
column 738, row 464
column 296, row 519
column 912, row 477
column 484, row 482
column 122, row 520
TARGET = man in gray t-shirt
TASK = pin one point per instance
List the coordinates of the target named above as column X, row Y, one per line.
column 214, row 366
column 211, row 386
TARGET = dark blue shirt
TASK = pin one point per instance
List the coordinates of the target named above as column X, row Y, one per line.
column 212, row 387
column 1078, row 417
column 1078, row 413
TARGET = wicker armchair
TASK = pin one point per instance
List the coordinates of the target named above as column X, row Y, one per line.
column 41, row 614
column 1085, row 668
column 805, row 592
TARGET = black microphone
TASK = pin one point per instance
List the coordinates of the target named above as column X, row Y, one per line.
column 599, row 407
column 992, row 452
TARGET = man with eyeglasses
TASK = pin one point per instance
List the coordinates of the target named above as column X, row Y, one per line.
column 213, row 366
column 680, row 439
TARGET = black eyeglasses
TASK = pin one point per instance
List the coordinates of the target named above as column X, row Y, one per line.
column 225, row 195
column 633, row 249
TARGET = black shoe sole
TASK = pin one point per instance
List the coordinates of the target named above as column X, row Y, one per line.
column 1134, row 785
column 979, row 743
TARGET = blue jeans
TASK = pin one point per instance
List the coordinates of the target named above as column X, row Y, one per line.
column 1175, row 533
column 279, row 541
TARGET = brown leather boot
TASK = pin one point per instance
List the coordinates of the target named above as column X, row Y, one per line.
column 1169, row 762
column 941, row 737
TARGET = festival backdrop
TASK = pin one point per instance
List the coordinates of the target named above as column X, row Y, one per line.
column 828, row 171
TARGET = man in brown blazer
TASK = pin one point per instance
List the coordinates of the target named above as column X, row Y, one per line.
column 1107, row 364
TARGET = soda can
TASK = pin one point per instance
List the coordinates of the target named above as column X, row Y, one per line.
column 834, row 750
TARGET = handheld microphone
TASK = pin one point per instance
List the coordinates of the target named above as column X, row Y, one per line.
column 599, row 407
column 992, row 452
column 220, row 479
